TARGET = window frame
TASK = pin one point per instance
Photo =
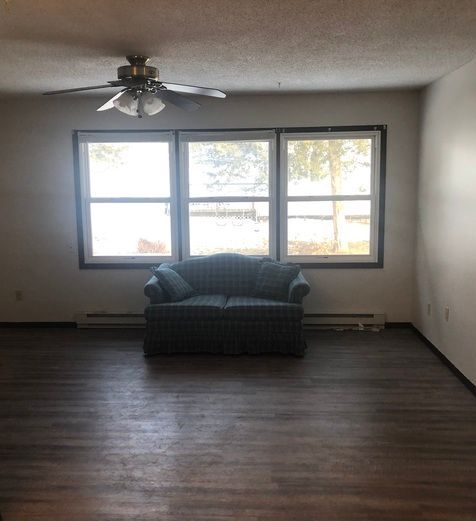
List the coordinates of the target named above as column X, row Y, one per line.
column 185, row 199
column 375, row 257
column 276, row 198
column 84, row 199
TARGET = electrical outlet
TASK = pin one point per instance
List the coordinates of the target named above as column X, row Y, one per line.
column 19, row 295
column 447, row 313
column 428, row 309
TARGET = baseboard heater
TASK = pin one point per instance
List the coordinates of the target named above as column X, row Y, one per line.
column 311, row 320
column 344, row 320
column 111, row 320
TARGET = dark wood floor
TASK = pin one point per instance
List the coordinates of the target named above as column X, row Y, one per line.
column 368, row 426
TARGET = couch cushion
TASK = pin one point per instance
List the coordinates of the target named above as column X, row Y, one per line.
column 224, row 273
column 200, row 307
column 273, row 279
column 174, row 285
column 252, row 308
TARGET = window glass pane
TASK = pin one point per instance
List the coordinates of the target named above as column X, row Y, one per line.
column 131, row 229
column 229, row 227
column 129, row 169
column 329, row 228
column 329, row 167
column 230, row 168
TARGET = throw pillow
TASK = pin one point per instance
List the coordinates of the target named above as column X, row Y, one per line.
column 273, row 280
column 174, row 285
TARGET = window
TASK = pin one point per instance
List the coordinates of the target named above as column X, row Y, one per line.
column 147, row 197
column 127, row 203
column 228, row 182
column 330, row 197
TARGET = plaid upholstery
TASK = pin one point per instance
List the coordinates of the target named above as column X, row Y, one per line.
column 199, row 307
column 227, row 337
column 273, row 280
column 175, row 286
column 200, row 336
column 263, row 336
column 298, row 289
column 224, row 317
column 251, row 308
column 154, row 291
column 225, row 273
column 237, row 327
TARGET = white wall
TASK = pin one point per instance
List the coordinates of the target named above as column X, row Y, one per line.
column 37, row 209
column 446, row 236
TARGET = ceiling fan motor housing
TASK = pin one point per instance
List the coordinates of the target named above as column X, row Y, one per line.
column 138, row 69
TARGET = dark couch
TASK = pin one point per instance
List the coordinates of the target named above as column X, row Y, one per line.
column 223, row 316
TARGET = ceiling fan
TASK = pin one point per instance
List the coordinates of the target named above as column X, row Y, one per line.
column 143, row 94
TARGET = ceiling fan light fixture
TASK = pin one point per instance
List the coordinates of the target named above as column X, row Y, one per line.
column 151, row 105
column 143, row 93
column 128, row 103
column 138, row 104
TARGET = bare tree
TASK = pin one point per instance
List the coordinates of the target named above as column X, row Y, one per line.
column 329, row 158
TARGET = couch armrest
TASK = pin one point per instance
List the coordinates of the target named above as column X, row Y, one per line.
column 154, row 291
column 298, row 289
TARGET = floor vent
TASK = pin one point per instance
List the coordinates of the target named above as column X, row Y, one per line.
column 344, row 320
column 103, row 319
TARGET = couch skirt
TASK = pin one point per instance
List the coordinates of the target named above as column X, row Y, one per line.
column 224, row 336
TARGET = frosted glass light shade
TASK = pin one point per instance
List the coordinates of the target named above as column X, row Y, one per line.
column 151, row 104
column 138, row 104
column 127, row 103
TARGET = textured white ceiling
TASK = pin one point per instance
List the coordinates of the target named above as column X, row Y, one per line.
column 238, row 46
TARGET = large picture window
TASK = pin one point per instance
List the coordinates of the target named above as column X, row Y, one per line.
column 330, row 197
column 228, row 182
column 127, row 187
column 312, row 196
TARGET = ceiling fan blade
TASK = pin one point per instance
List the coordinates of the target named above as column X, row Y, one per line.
column 177, row 100
column 79, row 89
column 192, row 89
column 110, row 103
